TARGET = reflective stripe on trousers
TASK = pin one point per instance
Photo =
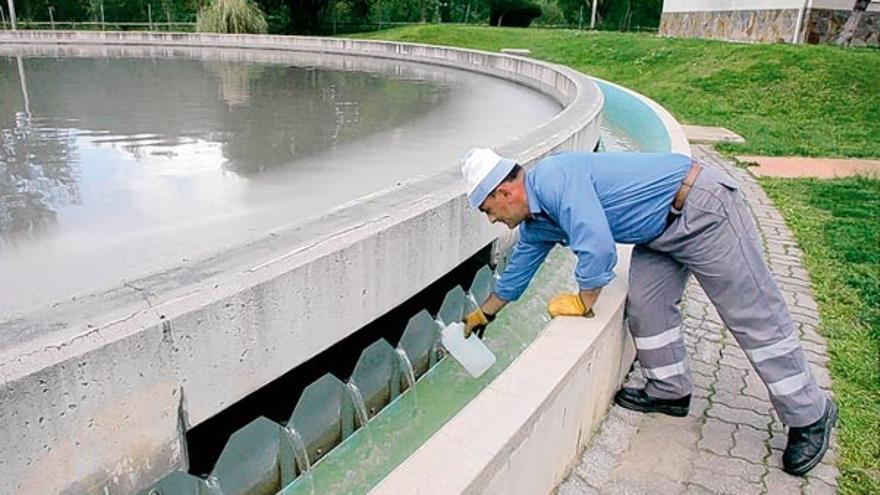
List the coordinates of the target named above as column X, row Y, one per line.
column 714, row 238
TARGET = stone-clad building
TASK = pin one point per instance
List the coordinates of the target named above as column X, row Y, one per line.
column 790, row 21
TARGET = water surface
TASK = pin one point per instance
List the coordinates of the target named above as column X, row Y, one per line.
column 115, row 168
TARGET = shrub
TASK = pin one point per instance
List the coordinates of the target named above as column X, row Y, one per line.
column 551, row 14
column 516, row 13
column 232, row 16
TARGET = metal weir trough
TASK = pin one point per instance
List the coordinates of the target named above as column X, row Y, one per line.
column 263, row 457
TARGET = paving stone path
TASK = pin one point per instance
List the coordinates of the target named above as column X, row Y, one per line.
column 732, row 441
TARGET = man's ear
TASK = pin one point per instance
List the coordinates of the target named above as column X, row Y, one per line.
column 504, row 189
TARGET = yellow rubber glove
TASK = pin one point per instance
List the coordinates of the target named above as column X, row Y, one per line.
column 476, row 321
column 566, row 304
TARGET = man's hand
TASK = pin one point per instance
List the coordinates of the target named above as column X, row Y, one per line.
column 476, row 321
column 566, row 304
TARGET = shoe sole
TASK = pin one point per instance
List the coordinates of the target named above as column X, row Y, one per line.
column 802, row 470
column 678, row 412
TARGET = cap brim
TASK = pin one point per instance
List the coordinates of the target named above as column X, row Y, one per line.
column 490, row 182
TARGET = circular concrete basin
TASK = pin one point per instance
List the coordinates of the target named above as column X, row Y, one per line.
column 135, row 364
column 127, row 163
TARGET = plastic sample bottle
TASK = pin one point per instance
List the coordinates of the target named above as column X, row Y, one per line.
column 471, row 353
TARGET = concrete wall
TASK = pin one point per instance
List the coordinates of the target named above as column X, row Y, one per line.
column 98, row 397
column 790, row 21
column 521, row 434
column 651, row 126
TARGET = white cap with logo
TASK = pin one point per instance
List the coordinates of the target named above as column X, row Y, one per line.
column 483, row 170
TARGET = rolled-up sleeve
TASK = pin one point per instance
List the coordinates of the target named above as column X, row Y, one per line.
column 581, row 217
column 528, row 254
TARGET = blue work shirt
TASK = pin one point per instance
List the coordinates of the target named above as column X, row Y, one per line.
column 589, row 201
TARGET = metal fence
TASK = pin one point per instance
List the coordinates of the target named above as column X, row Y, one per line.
column 102, row 26
column 332, row 25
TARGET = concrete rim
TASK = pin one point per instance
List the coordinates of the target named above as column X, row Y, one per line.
column 582, row 103
column 552, row 398
column 160, row 365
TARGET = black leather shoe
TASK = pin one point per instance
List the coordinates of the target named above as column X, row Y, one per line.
column 637, row 400
column 807, row 444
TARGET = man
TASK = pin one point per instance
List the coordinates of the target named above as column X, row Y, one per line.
column 683, row 218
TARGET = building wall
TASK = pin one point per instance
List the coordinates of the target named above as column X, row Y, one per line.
column 767, row 20
column 715, row 5
column 824, row 26
column 773, row 25
column 727, row 5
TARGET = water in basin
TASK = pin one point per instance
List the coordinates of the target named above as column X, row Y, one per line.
column 114, row 168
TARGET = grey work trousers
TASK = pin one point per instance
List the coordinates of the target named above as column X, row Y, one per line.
column 714, row 237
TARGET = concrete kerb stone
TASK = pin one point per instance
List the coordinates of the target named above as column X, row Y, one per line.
column 142, row 356
column 699, row 134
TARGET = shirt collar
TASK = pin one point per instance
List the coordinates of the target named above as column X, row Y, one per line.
column 531, row 196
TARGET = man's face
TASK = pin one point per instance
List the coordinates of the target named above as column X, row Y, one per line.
column 505, row 206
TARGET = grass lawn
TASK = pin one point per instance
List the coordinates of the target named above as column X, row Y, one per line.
column 785, row 100
column 838, row 227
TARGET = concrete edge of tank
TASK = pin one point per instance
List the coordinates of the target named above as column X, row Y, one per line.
column 547, row 404
column 102, row 399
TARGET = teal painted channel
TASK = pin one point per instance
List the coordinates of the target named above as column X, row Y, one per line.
column 643, row 127
column 372, row 452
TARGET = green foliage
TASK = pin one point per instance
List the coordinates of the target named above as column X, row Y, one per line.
column 319, row 16
column 232, row 16
column 360, row 9
column 277, row 18
column 551, row 14
column 119, row 10
column 113, row 10
column 837, row 226
column 307, row 16
column 630, row 14
column 577, row 12
column 784, row 99
column 616, row 15
column 516, row 13
column 405, row 11
column 38, row 10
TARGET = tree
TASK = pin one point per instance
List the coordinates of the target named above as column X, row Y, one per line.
column 307, row 16
column 574, row 8
column 518, row 13
column 232, row 16
column 38, row 10
column 849, row 29
column 613, row 14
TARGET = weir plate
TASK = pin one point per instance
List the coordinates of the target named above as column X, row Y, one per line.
column 264, row 457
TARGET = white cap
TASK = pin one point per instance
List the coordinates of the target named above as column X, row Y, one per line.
column 483, row 170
